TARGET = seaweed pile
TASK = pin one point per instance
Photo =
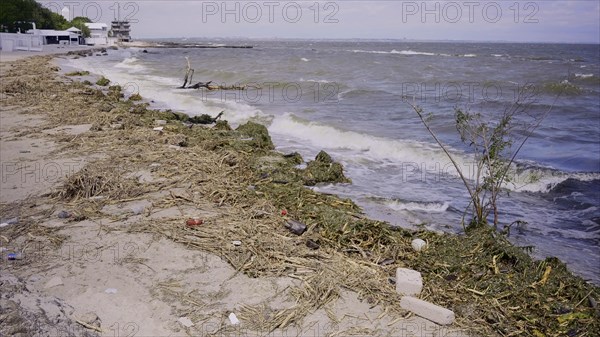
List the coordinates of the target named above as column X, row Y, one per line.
column 494, row 287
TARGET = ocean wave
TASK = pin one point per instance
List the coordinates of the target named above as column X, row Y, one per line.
column 130, row 64
column 586, row 78
column 369, row 51
column 561, row 88
column 304, row 59
column 410, row 52
column 393, row 51
column 373, row 147
column 544, row 180
column 430, row 207
column 163, row 91
column 352, row 93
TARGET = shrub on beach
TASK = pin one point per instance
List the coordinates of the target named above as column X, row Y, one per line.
column 324, row 170
column 78, row 73
column 258, row 133
column 103, row 81
column 135, row 97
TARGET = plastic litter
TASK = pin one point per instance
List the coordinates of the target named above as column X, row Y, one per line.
column 233, row 319
column 295, row 227
column 14, row 256
column 186, row 322
column 193, row 222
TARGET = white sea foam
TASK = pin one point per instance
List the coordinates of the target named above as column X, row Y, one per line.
column 411, row 52
column 584, row 75
column 130, row 64
column 543, row 180
column 163, row 91
column 373, row 147
column 436, row 207
column 305, row 59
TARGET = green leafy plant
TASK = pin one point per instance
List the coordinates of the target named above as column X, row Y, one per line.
column 494, row 144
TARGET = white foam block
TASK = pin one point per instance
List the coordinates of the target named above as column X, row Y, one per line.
column 427, row 310
column 408, row 282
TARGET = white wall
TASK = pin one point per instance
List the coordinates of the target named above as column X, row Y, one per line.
column 14, row 41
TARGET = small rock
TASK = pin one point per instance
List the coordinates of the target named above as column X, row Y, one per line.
column 90, row 318
column 63, row 214
column 158, row 128
column 236, row 243
column 138, row 209
column 160, row 122
column 312, row 244
column 117, row 126
column 186, row 322
column 110, row 290
column 53, row 282
column 418, row 245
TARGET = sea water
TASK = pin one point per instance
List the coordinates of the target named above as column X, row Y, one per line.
column 353, row 99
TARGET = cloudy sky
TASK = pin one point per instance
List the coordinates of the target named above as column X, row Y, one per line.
column 522, row 21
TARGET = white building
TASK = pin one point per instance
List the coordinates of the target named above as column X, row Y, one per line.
column 98, row 34
column 51, row 36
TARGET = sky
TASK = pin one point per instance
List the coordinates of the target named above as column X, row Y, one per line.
column 571, row 21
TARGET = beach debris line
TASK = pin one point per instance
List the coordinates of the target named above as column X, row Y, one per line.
column 189, row 75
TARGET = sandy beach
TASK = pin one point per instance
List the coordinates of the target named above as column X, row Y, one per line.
column 96, row 192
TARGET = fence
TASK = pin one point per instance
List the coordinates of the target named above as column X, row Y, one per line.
column 14, row 41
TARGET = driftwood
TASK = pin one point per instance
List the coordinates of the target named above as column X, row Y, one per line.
column 200, row 85
column 189, row 74
column 226, row 87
